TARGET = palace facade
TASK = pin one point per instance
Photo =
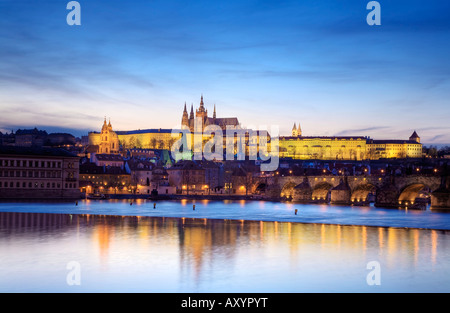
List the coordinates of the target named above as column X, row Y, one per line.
column 355, row 148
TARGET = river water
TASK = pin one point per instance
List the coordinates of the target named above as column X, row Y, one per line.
column 221, row 246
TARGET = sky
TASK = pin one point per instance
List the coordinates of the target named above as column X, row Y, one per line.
column 317, row 63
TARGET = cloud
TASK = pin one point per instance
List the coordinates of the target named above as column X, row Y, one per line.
column 361, row 131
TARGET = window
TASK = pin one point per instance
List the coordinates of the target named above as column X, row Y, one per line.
column 24, row 185
column 17, row 185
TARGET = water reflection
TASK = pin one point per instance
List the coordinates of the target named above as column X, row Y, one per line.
column 190, row 254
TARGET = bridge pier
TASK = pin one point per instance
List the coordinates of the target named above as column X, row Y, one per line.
column 303, row 192
column 387, row 195
column 341, row 194
column 440, row 198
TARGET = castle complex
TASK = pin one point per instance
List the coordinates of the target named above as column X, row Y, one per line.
column 295, row 146
column 356, row 148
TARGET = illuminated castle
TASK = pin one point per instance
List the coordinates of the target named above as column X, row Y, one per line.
column 358, row 148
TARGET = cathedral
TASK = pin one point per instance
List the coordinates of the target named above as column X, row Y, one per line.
column 202, row 114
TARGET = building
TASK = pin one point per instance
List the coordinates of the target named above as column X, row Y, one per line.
column 38, row 173
column 188, row 177
column 141, row 174
column 355, row 148
column 105, row 180
column 105, row 142
column 108, row 160
column 201, row 114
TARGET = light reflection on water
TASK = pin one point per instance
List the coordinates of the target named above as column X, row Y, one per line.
column 160, row 254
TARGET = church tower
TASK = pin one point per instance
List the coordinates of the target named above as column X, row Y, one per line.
column 299, row 131
column 294, row 130
column 201, row 112
column 109, row 141
column 185, row 118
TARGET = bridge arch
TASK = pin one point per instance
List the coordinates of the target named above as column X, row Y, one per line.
column 321, row 191
column 360, row 194
column 260, row 188
column 288, row 190
column 414, row 194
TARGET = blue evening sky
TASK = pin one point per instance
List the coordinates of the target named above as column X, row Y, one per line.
column 317, row 63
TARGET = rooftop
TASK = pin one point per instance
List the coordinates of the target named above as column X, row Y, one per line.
column 35, row 151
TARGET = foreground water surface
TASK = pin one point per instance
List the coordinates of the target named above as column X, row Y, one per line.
column 220, row 247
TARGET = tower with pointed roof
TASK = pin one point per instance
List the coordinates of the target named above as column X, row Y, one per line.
column 202, row 114
column 294, row 130
column 185, row 118
column 414, row 137
column 109, row 142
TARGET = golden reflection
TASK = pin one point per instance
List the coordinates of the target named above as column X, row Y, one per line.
column 380, row 239
column 416, row 235
column 364, row 238
column 434, row 245
column 200, row 244
column 103, row 235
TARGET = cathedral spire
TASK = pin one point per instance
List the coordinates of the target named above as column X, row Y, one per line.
column 191, row 116
column 214, row 113
column 185, row 111
column 105, row 126
column 299, row 131
column 202, row 107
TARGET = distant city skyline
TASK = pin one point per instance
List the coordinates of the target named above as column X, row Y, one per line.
column 266, row 62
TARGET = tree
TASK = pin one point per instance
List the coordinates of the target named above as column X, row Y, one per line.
column 132, row 142
column 153, row 143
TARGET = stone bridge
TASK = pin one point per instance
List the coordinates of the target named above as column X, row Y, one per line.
column 386, row 191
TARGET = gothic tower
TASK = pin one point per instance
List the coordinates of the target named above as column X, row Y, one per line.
column 185, row 118
column 201, row 112
column 294, row 130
